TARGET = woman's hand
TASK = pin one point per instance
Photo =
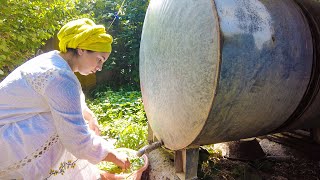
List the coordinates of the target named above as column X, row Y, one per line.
column 119, row 159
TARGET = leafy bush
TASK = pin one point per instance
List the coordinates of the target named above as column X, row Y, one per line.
column 122, row 116
column 126, row 28
column 26, row 24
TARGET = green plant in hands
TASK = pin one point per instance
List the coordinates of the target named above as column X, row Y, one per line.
column 135, row 161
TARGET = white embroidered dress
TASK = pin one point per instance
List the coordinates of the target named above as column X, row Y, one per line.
column 43, row 134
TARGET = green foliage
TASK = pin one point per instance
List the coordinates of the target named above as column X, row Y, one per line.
column 26, row 24
column 122, row 116
column 126, row 30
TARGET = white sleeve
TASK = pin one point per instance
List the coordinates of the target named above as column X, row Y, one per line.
column 83, row 101
column 63, row 96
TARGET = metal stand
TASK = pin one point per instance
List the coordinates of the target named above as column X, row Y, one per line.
column 186, row 163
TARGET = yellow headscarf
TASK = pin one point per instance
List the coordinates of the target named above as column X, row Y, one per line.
column 84, row 34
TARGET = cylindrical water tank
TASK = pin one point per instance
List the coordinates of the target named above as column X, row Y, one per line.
column 220, row 70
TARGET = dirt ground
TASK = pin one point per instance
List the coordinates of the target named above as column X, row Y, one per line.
column 289, row 155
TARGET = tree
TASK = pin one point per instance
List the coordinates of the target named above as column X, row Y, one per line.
column 123, row 20
column 26, row 24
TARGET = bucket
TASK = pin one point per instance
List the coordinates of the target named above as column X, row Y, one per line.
column 134, row 175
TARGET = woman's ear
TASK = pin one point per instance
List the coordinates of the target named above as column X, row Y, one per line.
column 80, row 51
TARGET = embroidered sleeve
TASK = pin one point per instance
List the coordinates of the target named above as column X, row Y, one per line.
column 63, row 96
column 39, row 81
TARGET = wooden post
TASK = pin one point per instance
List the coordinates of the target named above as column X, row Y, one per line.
column 151, row 137
column 186, row 163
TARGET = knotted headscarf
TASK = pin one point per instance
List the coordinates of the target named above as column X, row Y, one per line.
column 84, row 34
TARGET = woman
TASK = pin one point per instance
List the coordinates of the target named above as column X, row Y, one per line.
column 46, row 129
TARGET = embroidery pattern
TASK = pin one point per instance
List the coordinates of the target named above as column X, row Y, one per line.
column 39, row 82
column 38, row 153
column 62, row 168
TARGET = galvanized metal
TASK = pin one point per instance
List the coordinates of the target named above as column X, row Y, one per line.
column 179, row 58
column 265, row 71
column 307, row 114
column 222, row 70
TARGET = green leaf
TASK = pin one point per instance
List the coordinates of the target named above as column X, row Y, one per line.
column 21, row 34
column 21, row 39
column 3, row 46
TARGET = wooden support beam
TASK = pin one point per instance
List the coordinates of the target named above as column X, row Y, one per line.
column 186, row 163
column 150, row 135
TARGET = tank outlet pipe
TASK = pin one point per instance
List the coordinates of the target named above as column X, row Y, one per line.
column 148, row 148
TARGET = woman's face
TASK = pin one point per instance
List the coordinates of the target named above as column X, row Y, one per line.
column 90, row 62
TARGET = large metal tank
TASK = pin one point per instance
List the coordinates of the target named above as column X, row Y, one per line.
column 220, row 70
